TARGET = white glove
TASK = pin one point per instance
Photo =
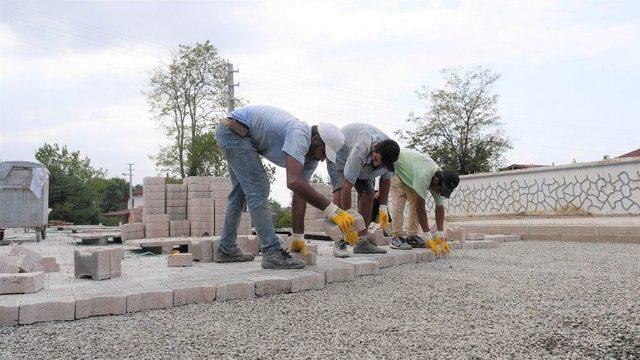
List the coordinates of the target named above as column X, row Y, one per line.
column 331, row 211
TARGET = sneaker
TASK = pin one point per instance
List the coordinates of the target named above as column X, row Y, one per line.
column 340, row 249
column 238, row 256
column 280, row 259
column 416, row 242
column 366, row 246
column 400, row 243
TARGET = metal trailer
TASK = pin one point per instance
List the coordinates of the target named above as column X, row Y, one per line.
column 19, row 206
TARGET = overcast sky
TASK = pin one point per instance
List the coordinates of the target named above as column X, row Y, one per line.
column 73, row 72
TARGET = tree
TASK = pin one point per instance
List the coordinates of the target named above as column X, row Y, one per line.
column 56, row 157
column 461, row 127
column 187, row 97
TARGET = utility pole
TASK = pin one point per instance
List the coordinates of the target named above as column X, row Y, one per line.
column 232, row 101
column 130, row 185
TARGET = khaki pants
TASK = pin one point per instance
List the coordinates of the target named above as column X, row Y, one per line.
column 402, row 194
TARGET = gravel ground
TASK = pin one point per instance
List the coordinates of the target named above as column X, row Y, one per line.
column 523, row 300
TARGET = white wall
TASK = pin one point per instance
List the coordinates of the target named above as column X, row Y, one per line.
column 609, row 187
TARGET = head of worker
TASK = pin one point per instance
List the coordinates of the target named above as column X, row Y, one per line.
column 385, row 153
column 444, row 182
column 326, row 140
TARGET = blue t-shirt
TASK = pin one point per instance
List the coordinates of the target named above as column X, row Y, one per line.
column 276, row 133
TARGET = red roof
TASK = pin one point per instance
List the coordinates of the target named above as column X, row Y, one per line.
column 630, row 154
column 117, row 213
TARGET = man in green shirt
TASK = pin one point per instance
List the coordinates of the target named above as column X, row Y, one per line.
column 415, row 175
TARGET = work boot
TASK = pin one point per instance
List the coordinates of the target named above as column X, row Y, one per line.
column 340, row 249
column 416, row 242
column 366, row 246
column 399, row 243
column 280, row 259
column 238, row 256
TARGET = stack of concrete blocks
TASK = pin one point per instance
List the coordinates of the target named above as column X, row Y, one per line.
column 176, row 203
column 179, row 228
column 22, row 271
column 312, row 214
column 99, row 264
column 132, row 231
column 153, row 196
column 219, row 189
column 199, row 205
column 156, row 226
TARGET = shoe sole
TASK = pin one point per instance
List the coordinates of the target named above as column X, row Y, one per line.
column 369, row 252
column 342, row 256
column 281, row 267
column 222, row 261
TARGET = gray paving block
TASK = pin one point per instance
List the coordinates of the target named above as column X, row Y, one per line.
column 249, row 244
column 235, row 289
column 306, row 280
column 474, row 236
column 425, row 255
column 50, row 264
column 202, row 250
column 98, row 302
column 363, row 266
column 9, row 310
column 22, row 283
column 270, row 284
column 153, row 180
column 148, row 219
column 26, row 260
column 339, row 272
column 386, row 260
column 39, row 309
column 192, row 293
column 157, row 297
column 8, row 264
column 99, row 264
column 406, row 257
column 332, row 230
column 180, row 260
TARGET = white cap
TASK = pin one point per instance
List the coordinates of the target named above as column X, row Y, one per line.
column 333, row 140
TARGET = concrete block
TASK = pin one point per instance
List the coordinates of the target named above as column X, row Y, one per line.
column 198, row 188
column 177, row 199
column 386, row 260
column 38, row 309
column 358, row 218
column 406, row 257
column 363, row 267
column 176, row 209
column 26, row 260
column 99, row 264
column 309, row 259
column 522, row 230
column 579, row 237
column 474, row 236
column 176, row 188
column 192, row 293
column 543, row 237
column 180, row 260
column 134, row 227
column 270, row 284
column 153, row 188
column 200, row 202
column 132, row 235
column 154, row 200
column 425, row 255
column 8, row 264
column 22, row 283
column 198, row 195
column 249, row 244
column 49, row 264
column 158, row 180
column 9, row 310
column 149, row 219
column 134, row 299
column 485, row 244
column 378, row 237
column 199, row 217
column 98, row 303
column 152, row 211
column 332, row 230
column 177, row 217
column 157, row 297
column 455, row 234
column 150, row 234
column 202, row 250
column 306, row 280
column 468, row 245
column 235, row 289
column 339, row 272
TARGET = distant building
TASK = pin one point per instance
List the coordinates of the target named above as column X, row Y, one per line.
column 137, row 196
column 630, row 154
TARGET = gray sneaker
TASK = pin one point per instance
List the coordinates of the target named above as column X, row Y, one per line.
column 280, row 259
column 340, row 249
column 238, row 256
column 366, row 246
column 416, row 242
column 399, row 243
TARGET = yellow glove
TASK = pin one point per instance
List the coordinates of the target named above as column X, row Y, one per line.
column 340, row 217
column 442, row 242
column 431, row 244
column 351, row 237
column 298, row 244
column 383, row 217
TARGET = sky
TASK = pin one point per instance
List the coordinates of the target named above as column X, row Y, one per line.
column 75, row 72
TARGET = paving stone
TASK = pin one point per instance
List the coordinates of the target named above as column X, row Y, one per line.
column 153, row 180
column 8, row 264
column 148, row 298
column 26, row 260
column 424, row 255
column 39, row 309
column 235, row 289
column 363, row 267
column 386, row 260
column 132, row 235
column 198, row 195
column 198, row 188
column 332, row 230
column 151, row 211
column 180, row 260
column 148, row 219
column 474, row 236
column 485, row 244
column 170, row 188
column 339, row 272
column 359, row 220
column 99, row 264
column 270, row 284
column 22, row 283
column 192, row 293
column 249, row 244
column 50, row 264
column 9, row 310
column 455, row 234
column 135, row 227
column 309, row 259
column 156, row 234
column 306, row 280
column 99, row 302
column 377, row 236
column 180, row 232
column 202, row 250
column 406, row 257
column 468, row 245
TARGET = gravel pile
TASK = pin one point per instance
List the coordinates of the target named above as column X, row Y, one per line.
column 523, row 300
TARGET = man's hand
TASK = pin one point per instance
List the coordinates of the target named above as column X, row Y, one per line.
column 441, row 241
column 298, row 244
column 343, row 219
column 383, row 216
column 431, row 244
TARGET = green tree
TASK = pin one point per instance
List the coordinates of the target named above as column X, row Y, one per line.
column 187, row 97
column 56, row 157
column 461, row 128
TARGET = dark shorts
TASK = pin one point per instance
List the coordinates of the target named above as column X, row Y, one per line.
column 337, row 180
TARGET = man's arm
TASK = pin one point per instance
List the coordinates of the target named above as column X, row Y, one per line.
column 345, row 195
column 298, row 208
column 421, row 212
column 385, row 185
column 300, row 187
column 440, row 217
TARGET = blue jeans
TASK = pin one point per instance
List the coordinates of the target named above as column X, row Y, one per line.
column 249, row 182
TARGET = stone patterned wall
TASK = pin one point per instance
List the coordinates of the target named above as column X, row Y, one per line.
column 610, row 187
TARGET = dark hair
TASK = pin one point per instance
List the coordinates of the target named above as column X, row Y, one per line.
column 449, row 180
column 389, row 150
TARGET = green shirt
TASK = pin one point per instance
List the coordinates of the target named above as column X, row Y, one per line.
column 416, row 170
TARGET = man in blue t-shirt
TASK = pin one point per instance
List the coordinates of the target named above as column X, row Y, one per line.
column 258, row 130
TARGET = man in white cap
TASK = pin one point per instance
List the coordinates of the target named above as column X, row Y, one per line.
column 258, row 130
